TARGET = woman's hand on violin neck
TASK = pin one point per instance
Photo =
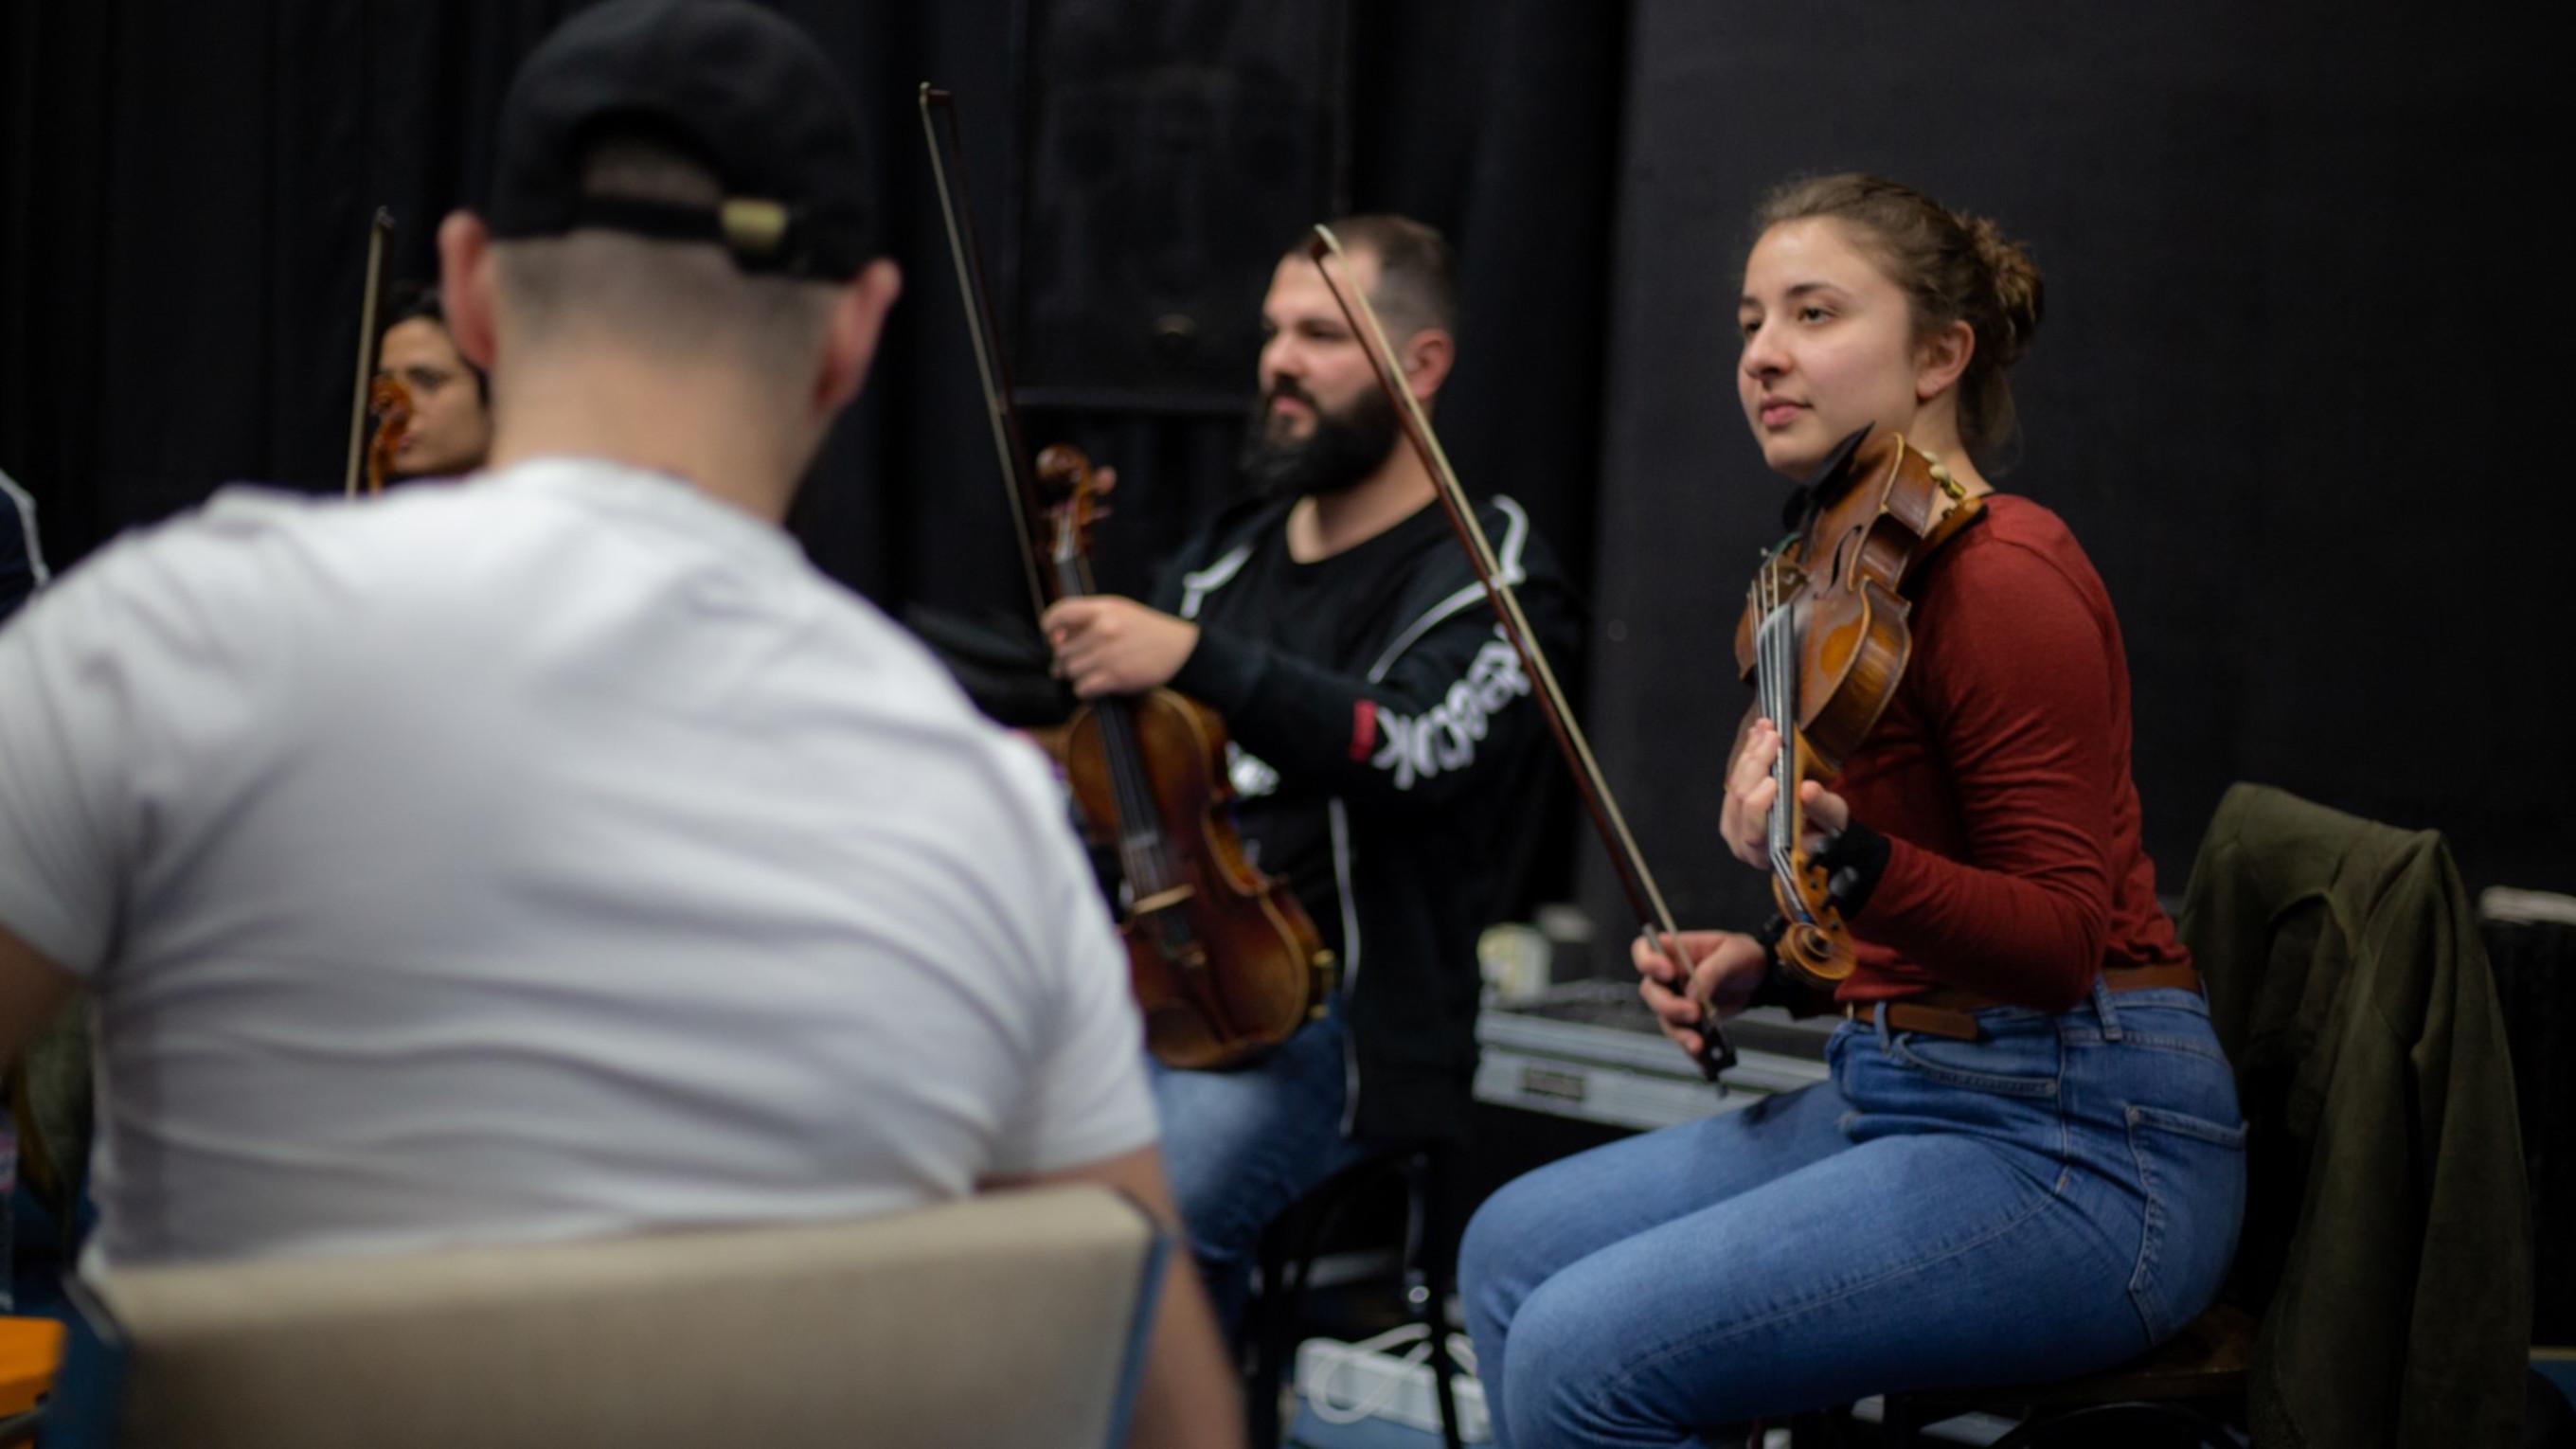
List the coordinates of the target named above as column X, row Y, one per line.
column 1725, row 969
column 1745, row 818
column 1108, row 645
column 1826, row 812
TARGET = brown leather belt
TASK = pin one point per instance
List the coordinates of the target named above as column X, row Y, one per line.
column 1947, row 1011
column 1919, row 1014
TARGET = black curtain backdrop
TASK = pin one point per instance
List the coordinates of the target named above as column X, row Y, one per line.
column 187, row 188
column 2295, row 392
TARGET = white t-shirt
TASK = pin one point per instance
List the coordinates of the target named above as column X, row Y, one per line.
column 552, row 854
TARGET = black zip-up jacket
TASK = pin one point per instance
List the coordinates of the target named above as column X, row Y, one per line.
column 1423, row 751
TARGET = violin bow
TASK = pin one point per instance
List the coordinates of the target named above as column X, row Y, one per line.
column 379, row 231
column 1655, row 919
column 1008, row 442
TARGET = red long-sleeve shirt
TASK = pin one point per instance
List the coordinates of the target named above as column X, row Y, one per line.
column 2000, row 776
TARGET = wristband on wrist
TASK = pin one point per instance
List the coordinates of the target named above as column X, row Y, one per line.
column 1853, row 860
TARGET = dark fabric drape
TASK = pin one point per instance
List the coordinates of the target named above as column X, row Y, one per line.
column 187, row 191
column 181, row 256
column 184, row 195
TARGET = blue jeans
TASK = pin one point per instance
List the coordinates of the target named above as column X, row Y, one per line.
column 1240, row 1146
column 2048, row 1201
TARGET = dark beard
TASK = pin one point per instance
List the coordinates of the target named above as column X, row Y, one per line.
column 1339, row 455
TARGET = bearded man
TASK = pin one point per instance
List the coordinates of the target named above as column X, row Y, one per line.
column 1384, row 739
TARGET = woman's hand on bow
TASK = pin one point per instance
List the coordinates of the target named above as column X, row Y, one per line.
column 1725, row 968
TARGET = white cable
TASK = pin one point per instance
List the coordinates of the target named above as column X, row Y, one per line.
column 1320, row 1395
column 1416, row 1337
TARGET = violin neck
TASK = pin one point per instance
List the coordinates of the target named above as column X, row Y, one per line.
column 1775, row 677
column 1072, row 573
column 1141, row 847
column 1776, row 680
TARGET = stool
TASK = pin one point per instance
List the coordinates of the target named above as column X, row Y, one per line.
column 1287, row 1258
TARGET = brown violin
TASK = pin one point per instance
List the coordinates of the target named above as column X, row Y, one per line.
column 1224, row 961
column 1825, row 639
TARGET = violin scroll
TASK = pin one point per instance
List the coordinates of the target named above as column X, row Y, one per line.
column 1071, row 488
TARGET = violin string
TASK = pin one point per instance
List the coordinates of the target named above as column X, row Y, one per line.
column 1773, row 707
column 1784, row 769
column 1139, row 843
column 1771, row 689
column 1778, row 670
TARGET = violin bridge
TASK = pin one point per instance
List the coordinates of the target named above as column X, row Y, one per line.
column 1163, row 900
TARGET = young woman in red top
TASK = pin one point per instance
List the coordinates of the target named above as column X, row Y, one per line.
column 2028, row 1162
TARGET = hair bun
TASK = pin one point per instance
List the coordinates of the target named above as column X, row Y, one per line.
column 2019, row 297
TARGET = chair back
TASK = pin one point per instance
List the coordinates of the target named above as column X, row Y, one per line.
column 1005, row 1320
column 2387, row 1240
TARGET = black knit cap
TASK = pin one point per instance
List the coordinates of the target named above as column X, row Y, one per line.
column 741, row 90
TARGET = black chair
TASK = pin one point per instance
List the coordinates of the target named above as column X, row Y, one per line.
column 2185, row 1392
column 1287, row 1262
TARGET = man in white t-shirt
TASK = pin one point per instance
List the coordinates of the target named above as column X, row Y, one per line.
column 559, row 854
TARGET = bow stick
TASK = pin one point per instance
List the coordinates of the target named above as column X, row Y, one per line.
column 379, row 231
column 1655, row 920
column 1026, row 503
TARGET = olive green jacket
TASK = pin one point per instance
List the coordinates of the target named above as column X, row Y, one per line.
column 2387, row 1237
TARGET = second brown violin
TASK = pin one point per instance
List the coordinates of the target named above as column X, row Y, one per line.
column 1224, row 961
